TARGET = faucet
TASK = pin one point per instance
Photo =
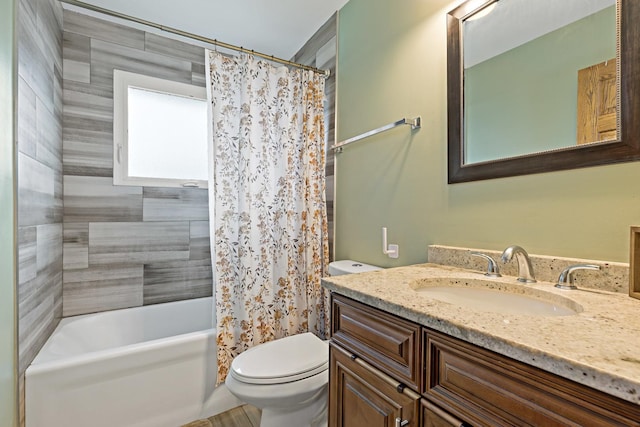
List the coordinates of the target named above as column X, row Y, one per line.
column 492, row 267
column 565, row 281
column 525, row 271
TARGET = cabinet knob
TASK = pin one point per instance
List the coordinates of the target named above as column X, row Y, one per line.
column 401, row 423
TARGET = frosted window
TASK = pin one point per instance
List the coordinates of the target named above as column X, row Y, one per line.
column 160, row 132
column 167, row 136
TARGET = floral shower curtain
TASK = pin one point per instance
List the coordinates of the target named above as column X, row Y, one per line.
column 267, row 199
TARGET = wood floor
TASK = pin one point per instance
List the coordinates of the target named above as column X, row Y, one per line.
column 242, row 416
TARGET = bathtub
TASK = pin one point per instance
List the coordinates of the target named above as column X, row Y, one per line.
column 146, row 366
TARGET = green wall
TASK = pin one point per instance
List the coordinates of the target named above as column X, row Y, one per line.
column 8, row 352
column 536, row 82
column 392, row 64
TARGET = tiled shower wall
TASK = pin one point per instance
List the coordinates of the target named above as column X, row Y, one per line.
column 130, row 246
column 320, row 52
column 39, row 137
column 124, row 246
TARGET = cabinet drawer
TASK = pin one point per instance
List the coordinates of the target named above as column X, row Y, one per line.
column 432, row 416
column 385, row 341
column 493, row 390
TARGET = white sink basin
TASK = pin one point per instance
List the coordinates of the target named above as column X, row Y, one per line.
column 496, row 297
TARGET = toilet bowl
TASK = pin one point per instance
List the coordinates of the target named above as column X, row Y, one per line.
column 286, row 378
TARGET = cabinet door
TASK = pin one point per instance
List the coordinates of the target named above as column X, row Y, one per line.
column 361, row 397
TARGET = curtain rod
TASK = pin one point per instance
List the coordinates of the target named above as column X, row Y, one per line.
column 193, row 36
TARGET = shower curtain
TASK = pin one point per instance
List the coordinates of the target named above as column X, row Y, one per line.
column 268, row 217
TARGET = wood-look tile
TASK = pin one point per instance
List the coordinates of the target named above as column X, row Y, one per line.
column 37, row 297
column 86, row 149
column 75, row 250
column 33, row 65
column 76, row 47
column 35, row 324
column 77, row 71
column 27, row 9
column 87, row 129
column 39, row 29
column 199, row 241
column 49, row 132
column 242, row 416
column 174, row 48
column 86, row 101
column 88, row 121
column 138, row 242
column 96, row 199
column 27, row 131
column 174, row 281
column 199, row 423
column 101, row 288
column 103, row 30
column 49, row 24
column 175, row 204
column 198, row 77
column 27, row 254
column 57, row 92
column 105, row 57
column 253, row 414
column 49, row 247
column 325, row 57
column 37, row 202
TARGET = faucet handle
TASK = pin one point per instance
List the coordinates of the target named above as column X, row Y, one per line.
column 492, row 266
column 566, row 279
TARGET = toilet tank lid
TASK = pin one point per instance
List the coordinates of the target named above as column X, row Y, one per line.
column 347, row 266
column 282, row 360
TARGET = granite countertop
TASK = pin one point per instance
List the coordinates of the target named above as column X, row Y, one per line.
column 598, row 347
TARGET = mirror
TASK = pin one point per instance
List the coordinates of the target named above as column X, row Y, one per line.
column 538, row 86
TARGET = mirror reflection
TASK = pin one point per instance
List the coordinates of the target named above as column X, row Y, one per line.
column 539, row 76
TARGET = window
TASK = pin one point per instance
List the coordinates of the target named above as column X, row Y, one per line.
column 160, row 132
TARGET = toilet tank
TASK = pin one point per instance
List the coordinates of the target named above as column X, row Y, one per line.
column 347, row 266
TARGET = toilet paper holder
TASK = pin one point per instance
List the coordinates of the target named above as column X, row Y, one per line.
column 392, row 250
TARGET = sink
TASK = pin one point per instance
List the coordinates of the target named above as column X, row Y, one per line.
column 496, row 297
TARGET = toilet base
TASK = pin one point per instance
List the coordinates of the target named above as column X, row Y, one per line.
column 313, row 414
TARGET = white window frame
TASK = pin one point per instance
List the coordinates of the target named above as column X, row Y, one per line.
column 122, row 80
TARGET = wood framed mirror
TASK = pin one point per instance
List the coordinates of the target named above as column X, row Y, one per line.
column 616, row 137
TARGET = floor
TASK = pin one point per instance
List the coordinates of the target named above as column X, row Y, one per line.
column 242, row 416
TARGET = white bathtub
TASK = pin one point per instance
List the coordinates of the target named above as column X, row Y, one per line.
column 146, row 366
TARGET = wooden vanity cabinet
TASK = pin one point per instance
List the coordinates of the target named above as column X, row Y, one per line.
column 375, row 370
column 386, row 371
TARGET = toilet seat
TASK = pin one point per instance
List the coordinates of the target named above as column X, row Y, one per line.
column 282, row 361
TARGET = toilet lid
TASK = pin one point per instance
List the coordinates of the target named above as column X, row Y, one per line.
column 281, row 361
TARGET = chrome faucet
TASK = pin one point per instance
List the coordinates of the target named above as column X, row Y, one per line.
column 525, row 271
column 492, row 266
column 566, row 279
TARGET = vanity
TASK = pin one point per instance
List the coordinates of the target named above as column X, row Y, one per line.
column 402, row 356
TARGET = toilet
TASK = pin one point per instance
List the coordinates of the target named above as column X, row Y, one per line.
column 288, row 378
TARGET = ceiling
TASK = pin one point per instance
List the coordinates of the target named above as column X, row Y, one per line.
column 273, row 27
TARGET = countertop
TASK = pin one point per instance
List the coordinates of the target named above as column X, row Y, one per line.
column 598, row 347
